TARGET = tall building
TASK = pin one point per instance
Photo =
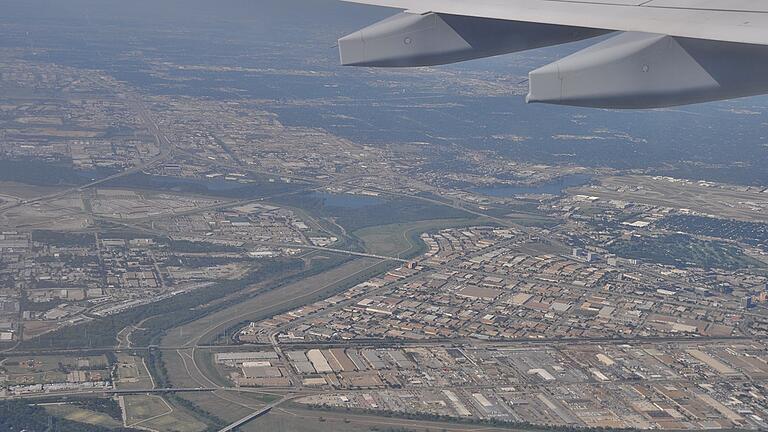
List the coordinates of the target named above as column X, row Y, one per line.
column 762, row 297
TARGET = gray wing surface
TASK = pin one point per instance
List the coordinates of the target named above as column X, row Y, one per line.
column 742, row 21
column 664, row 53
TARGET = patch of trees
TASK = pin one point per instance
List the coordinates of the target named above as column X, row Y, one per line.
column 27, row 305
column 520, row 426
column 111, row 358
column 108, row 406
column 201, row 261
column 64, row 239
column 116, row 131
column 752, row 233
column 154, row 361
column 214, row 422
column 187, row 246
column 680, row 250
column 69, row 260
column 17, row 415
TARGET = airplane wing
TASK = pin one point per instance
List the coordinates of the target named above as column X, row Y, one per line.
column 743, row 21
column 665, row 52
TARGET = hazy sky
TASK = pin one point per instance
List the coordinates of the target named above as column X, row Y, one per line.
column 292, row 20
column 156, row 11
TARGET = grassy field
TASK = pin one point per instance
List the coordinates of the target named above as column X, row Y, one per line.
column 179, row 368
column 81, row 415
column 217, row 373
column 154, row 412
column 389, row 210
column 139, row 408
column 36, row 328
column 131, row 373
column 402, row 239
column 228, row 406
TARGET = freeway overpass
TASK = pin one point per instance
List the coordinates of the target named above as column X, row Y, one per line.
column 257, row 414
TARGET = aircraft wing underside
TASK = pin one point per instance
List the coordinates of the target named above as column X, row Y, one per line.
column 664, row 52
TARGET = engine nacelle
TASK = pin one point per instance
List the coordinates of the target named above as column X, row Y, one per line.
column 412, row 39
column 641, row 70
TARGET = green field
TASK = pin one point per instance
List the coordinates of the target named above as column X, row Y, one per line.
column 206, row 362
column 390, row 210
column 132, row 373
column 81, row 415
column 156, row 413
column 139, row 408
column 402, row 239
column 227, row 406
column 179, row 366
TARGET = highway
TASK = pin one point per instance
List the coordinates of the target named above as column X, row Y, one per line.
column 197, row 374
column 164, row 390
column 114, row 392
column 165, row 151
column 397, row 343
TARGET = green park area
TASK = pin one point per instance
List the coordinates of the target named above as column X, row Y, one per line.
column 682, row 251
column 402, row 239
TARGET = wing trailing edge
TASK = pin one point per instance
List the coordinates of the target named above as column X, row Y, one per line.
column 639, row 67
